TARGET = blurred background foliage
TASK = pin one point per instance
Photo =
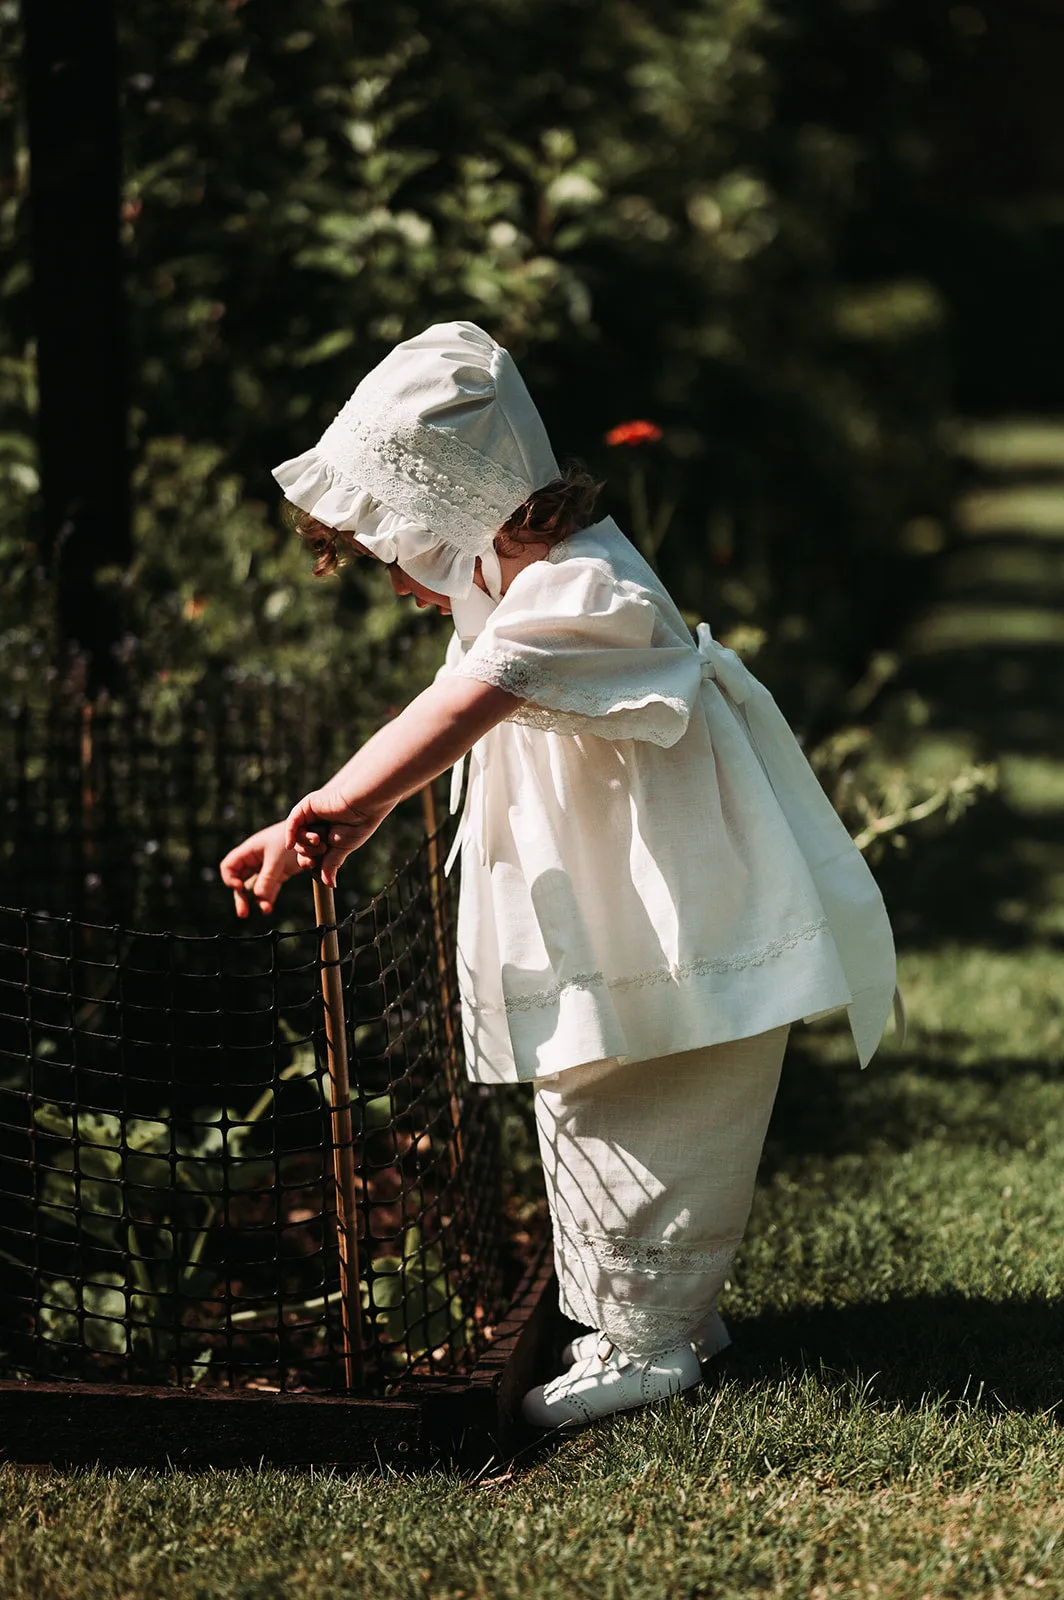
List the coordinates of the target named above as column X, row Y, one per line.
column 803, row 239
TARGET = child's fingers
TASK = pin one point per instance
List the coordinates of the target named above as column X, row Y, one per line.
column 302, row 820
column 310, row 844
column 233, row 870
column 254, row 896
column 242, row 896
column 331, row 863
column 265, row 888
column 234, row 867
column 319, row 861
column 342, row 841
column 260, row 890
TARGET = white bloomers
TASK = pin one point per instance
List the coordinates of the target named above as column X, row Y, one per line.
column 650, row 1170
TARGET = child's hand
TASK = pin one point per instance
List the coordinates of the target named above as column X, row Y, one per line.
column 256, row 869
column 323, row 829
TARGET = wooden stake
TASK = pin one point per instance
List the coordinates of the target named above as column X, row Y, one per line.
column 89, row 879
column 437, row 890
column 342, row 1138
column 431, row 818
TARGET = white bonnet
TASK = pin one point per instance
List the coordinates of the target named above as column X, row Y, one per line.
column 434, row 451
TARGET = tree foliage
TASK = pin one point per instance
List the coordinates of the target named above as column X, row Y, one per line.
column 681, row 211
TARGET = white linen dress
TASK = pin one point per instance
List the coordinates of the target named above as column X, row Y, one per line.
column 648, row 864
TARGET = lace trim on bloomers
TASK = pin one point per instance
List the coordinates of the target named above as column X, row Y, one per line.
column 629, row 718
column 698, row 967
column 612, row 1254
column 638, row 1330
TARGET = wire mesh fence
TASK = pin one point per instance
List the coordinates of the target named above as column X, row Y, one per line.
column 119, row 810
column 168, row 1201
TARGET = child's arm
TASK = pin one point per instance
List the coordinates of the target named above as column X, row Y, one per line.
column 430, row 735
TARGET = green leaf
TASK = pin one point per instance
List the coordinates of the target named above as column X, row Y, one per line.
column 330, row 344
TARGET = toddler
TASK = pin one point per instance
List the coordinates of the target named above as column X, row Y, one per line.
column 653, row 884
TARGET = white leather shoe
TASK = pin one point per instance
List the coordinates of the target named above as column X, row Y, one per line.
column 607, row 1381
column 708, row 1342
column 711, row 1338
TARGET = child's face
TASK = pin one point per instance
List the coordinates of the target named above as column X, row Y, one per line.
column 402, row 584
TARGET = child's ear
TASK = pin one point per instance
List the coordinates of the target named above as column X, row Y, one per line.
column 504, row 544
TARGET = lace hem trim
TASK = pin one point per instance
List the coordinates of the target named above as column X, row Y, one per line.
column 631, row 718
column 698, row 967
column 610, row 1254
column 640, row 1332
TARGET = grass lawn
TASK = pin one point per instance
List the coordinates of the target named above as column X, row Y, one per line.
column 884, row 1425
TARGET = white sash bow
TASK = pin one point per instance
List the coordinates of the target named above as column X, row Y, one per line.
column 848, row 892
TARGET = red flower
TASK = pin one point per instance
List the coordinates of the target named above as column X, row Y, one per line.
column 634, row 433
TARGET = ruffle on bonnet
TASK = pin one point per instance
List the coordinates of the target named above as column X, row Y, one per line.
column 310, row 483
column 433, row 452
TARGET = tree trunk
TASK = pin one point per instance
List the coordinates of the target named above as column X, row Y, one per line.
column 75, row 186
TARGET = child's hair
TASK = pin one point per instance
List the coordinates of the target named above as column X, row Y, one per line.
column 560, row 508
column 551, row 514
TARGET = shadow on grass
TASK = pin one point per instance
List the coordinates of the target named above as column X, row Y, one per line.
column 827, row 1110
column 1009, row 1353
column 1004, row 1356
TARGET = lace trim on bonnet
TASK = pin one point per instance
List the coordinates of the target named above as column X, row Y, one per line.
column 324, row 492
column 374, row 439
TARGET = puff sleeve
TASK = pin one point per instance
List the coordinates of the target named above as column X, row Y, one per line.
column 588, row 652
